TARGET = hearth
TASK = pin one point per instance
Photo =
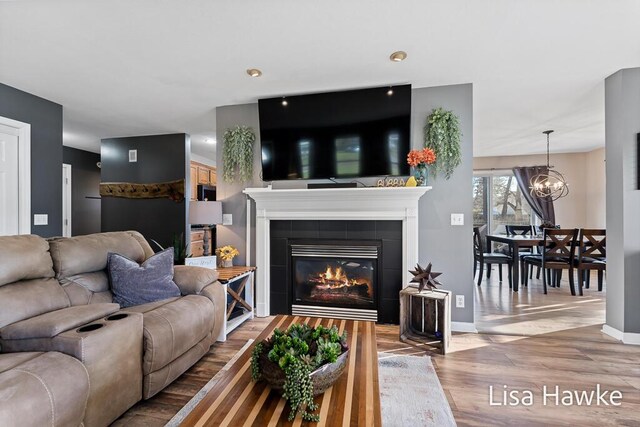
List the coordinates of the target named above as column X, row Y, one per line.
column 338, row 277
column 384, row 272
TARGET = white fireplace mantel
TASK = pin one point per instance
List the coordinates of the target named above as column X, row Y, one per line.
column 371, row 203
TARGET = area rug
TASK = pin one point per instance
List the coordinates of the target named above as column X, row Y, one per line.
column 410, row 392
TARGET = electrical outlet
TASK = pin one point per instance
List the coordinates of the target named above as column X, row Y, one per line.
column 457, row 219
column 459, row 301
column 227, row 219
column 40, row 219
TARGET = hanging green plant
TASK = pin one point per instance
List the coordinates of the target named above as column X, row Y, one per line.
column 237, row 154
column 442, row 134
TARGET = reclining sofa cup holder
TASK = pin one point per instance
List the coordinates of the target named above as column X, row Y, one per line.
column 89, row 328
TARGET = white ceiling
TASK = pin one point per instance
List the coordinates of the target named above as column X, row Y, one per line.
column 122, row 67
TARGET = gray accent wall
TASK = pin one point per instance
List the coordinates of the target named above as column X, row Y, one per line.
column 234, row 202
column 85, row 190
column 449, row 248
column 622, row 123
column 161, row 158
column 45, row 118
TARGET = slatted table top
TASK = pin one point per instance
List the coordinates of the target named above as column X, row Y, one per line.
column 225, row 274
column 353, row 400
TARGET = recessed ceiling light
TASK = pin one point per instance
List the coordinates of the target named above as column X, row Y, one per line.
column 398, row 56
column 210, row 141
column 254, row 72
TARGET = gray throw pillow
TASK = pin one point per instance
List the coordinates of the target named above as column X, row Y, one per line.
column 135, row 284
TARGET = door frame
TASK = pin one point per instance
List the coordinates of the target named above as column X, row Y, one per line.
column 24, row 172
column 66, row 200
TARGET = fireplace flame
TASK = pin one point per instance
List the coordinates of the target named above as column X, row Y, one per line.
column 335, row 278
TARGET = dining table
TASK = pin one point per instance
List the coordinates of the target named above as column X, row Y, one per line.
column 515, row 242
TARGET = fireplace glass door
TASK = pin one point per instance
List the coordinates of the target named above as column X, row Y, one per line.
column 337, row 276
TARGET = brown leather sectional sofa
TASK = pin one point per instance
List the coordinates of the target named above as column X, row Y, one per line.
column 68, row 355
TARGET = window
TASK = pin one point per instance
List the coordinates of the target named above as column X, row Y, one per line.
column 498, row 201
column 480, row 200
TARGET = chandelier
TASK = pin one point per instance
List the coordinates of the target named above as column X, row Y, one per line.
column 549, row 183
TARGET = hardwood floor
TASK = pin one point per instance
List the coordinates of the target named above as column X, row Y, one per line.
column 530, row 312
column 572, row 354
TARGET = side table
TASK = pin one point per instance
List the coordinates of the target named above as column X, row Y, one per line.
column 235, row 280
column 425, row 317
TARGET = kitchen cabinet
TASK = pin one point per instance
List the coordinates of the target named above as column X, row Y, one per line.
column 201, row 174
column 193, row 179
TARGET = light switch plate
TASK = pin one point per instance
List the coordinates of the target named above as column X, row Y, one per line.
column 40, row 219
column 457, row 219
column 227, row 219
column 133, row 156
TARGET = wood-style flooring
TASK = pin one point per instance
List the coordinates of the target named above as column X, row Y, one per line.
column 530, row 312
column 567, row 350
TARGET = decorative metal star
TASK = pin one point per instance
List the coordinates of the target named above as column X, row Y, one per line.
column 425, row 278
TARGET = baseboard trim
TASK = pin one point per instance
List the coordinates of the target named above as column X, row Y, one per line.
column 468, row 327
column 626, row 337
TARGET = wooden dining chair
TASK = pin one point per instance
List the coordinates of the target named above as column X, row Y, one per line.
column 558, row 253
column 592, row 255
column 480, row 257
column 519, row 230
column 522, row 230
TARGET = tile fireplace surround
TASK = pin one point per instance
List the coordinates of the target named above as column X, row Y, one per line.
column 371, row 203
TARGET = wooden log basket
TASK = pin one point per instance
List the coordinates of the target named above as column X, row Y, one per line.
column 173, row 190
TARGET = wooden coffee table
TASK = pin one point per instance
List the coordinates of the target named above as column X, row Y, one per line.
column 353, row 400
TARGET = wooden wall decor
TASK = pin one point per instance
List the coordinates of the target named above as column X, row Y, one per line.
column 173, row 190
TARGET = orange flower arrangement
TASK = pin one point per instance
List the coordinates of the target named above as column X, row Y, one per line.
column 423, row 157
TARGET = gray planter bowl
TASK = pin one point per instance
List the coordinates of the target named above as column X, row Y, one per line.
column 322, row 378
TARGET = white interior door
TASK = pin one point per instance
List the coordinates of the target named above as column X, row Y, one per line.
column 66, row 200
column 9, row 182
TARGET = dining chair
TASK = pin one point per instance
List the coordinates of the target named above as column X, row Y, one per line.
column 519, row 230
column 480, row 257
column 558, row 253
column 592, row 255
column 522, row 230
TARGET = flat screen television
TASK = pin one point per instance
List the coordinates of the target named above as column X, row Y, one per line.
column 349, row 134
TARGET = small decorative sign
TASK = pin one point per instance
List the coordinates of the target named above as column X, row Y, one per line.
column 391, row 182
column 202, row 261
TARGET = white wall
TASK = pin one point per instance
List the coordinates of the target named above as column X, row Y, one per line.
column 204, row 160
column 585, row 175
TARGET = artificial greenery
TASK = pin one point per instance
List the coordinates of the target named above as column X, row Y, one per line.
column 298, row 351
column 237, row 154
column 442, row 134
column 180, row 249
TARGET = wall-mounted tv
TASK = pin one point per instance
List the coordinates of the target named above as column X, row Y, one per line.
column 348, row 134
